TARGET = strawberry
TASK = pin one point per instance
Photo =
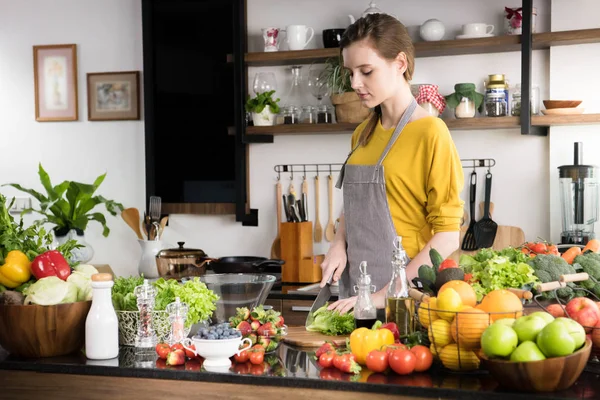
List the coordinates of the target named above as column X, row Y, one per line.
column 244, row 327
column 254, row 325
column 253, row 338
column 264, row 341
column 325, row 347
column 279, row 322
column 243, row 313
column 267, row 329
column 349, row 366
column 176, row 357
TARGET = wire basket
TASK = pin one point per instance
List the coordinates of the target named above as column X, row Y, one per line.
column 128, row 326
column 455, row 336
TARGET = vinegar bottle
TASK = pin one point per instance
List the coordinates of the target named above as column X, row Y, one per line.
column 365, row 313
column 400, row 307
column 101, row 324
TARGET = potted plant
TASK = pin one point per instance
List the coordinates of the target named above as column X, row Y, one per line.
column 69, row 207
column 263, row 108
column 348, row 107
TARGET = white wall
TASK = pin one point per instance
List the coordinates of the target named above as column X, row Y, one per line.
column 108, row 36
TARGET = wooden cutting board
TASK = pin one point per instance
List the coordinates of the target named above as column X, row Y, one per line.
column 298, row 336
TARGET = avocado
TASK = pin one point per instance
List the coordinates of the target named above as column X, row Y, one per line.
column 447, row 275
column 426, row 272
column 436, row 259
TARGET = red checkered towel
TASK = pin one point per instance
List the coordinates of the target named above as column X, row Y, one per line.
column 429, row 94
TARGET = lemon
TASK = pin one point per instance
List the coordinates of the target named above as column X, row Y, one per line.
column 439, row 333
column 458, row 359
column 434, row 350
column 426, row 312
column 449, row 300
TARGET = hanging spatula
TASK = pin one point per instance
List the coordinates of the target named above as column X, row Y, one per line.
column 469, row 243
column 486, row 228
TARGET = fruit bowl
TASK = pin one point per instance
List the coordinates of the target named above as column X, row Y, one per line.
column 551, row 104
column 216, row 353
column 551, row 374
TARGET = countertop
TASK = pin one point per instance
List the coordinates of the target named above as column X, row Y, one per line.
column 290, row 291
column 288, row 368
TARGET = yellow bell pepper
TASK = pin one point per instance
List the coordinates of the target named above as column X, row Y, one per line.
column 16, row 269
column 364, row 340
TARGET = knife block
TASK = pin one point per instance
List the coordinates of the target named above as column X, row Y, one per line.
column 297, row 252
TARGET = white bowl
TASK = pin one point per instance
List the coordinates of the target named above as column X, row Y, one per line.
column 216, row 353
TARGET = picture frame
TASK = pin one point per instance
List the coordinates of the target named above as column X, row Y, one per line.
column 55, row 82
column 113, row 96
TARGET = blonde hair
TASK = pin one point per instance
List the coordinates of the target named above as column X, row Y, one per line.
column 390, row 38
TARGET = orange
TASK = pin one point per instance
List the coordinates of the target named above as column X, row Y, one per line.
column 465, row 291
column 468, row 326
column 501, row 304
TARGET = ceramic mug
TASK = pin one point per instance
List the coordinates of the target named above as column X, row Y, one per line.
column 271, row 37
column 477, row 29
column 296, row 36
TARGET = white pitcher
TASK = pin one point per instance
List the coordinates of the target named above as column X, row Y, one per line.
column 147, row 265
column 296, row 36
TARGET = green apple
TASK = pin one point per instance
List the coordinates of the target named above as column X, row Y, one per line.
column 528, row 327
column 555, row 340
column 527, row 351
column 499, row 340
column 544, row 315
column 506, row 321
column 575, row 330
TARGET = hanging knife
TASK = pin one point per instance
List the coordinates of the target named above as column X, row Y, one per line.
column 305, row 199
column 286, row 209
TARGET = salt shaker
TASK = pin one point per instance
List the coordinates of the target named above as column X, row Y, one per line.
column 146, row 336
column 101, row 324
column 177, row 315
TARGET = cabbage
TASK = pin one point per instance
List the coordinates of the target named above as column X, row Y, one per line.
column 86, row 269
column 83, row 283
column 51, row 290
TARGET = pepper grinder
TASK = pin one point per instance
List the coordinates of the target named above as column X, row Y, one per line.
column 177, row 315
column 146, row 336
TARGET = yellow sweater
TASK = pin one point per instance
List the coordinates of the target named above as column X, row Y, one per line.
column 423, row 176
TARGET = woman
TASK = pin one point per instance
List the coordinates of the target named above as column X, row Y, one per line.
column 403, row 176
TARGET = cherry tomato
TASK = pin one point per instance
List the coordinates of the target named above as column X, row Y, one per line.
column 177, row 346
column 242, row 357
column 338, row 359
column 326, row 359
column 448, row 263
column 162, row 349
column 189, row 354
column 553, row 249
column 258, row 347
column 377, row 360
column 538, row 247
column 403, row 362
column 257, row 357
column 424, row 358
column 390, row 348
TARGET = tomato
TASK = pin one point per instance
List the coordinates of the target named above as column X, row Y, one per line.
column 257, row 357
column 390, row 348
column 258, row 369
column 377, row 360
column 326, row 359
column 330, row 374
column 448, row 263
column 177, row 346
column 424, row 358
column 538, row 248
column 242, row 357
column 258, row 347
column 338, row 359
column 189, row 354
column 553, row 249
column 468, row 277
column 162, row 349
column 403, row 362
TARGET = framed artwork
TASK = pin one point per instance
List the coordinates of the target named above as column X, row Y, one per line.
column 113, row 96
column 55, row 79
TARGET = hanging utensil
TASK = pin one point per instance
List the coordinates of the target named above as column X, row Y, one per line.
column 286, row 209
column 276, row 246
column 469, row 243
column 485, row 229
column 305, row 198
column 329, row 229
column 132, row 218
column 318, row 228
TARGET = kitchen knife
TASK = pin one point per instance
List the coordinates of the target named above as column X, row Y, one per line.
column 305, row 206
column 288, row 217
column 300, row 210
column 322, row 298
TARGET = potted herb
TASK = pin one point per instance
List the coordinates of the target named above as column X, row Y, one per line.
column 69, row 206
column 263, row 108
column 348, row 107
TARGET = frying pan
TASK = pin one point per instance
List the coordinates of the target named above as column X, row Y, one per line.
column 244, row 264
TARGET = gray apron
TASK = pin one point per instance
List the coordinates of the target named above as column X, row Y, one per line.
column 370, row 230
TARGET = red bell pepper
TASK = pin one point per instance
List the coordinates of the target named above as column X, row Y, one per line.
column 50, row 263
column 392, row 327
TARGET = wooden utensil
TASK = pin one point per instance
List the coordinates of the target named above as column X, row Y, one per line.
column 298, row 336
column 132, row 218
column 163, row 224
column 329, row 229
column 318, row 228
column 276, row 246
column 486, row 228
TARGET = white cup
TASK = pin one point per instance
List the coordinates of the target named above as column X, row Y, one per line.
column 477, row 29
column 296, row 36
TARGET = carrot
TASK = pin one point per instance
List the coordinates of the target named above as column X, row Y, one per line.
column 570, row 254
column 593, row 245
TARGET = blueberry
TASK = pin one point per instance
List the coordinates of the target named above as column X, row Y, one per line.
column 211, row 337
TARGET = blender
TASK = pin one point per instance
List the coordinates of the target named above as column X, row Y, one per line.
column 578, row 187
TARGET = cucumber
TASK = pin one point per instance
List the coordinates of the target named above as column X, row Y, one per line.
column 426, row 272
column 436, row 259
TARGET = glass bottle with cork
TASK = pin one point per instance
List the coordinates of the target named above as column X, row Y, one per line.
column 365, row 313
column 400, row 307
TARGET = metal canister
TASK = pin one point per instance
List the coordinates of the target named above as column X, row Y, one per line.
column 496, row 83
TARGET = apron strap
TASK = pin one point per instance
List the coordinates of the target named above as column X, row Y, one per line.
column 401, row 124
column 340, row 181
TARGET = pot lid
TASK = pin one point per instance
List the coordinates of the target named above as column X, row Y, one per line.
column 372, row 9
column 180, row 252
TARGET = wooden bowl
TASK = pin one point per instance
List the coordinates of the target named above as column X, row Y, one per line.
column 548, row 375
column 550, row 104
column 43, row 331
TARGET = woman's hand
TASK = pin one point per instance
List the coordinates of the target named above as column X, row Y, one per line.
column 334, row 263
column 344, row 305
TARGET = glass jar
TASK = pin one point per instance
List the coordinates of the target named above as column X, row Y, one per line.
column 291, row 115
column 534, row 100
column 465, row 109
column 515, row 106
column 324, row 114
column 430, row 108
column 308, row 115
column 496, row 105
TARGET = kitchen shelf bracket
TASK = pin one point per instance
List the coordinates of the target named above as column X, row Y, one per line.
column 468, row 163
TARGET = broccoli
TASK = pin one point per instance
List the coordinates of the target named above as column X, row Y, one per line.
column 590, row 263
column 549, row 268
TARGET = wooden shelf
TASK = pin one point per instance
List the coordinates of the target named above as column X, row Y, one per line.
column 480, row 123
column 496, row 44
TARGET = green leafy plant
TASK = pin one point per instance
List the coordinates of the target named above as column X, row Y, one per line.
column 69, row 204
column 338, row 78
column 257, row 104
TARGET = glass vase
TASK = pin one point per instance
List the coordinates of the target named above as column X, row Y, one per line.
column 81, row 255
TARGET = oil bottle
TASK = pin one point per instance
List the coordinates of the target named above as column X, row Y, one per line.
column 400, row 307
column 365, row 313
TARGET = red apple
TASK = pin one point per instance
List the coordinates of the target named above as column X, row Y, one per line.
column 596, row 335
column 556, row 310
column 584, row 311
